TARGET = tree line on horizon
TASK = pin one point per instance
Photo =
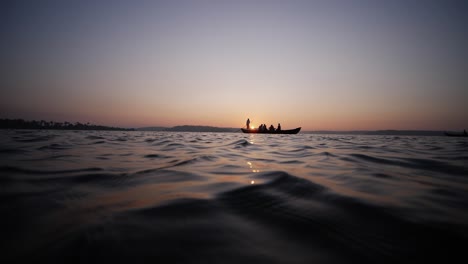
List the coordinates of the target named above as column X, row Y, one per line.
column 42, row 124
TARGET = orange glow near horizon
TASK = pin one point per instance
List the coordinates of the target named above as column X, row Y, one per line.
column 318, row 120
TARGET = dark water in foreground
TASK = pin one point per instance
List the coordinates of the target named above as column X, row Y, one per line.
column 99, row 197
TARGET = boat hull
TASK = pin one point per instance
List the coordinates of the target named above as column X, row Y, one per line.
column 256, row 131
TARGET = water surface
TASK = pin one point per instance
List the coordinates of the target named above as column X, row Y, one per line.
column 98, row 196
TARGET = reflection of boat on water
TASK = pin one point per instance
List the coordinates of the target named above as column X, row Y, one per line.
column 256, row 131
column 456, row 134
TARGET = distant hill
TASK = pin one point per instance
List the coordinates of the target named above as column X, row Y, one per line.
column 189, row 128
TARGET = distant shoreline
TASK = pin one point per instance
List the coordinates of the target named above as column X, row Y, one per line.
column 52, row 125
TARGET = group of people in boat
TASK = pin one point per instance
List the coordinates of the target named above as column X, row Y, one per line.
column 263, row 127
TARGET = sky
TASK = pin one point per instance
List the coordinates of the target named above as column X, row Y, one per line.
column 321, row 65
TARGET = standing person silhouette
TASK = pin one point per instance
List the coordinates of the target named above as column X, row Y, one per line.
column 248, row 123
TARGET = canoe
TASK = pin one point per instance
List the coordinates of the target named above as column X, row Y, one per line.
column 450, row 134
column 255, row 131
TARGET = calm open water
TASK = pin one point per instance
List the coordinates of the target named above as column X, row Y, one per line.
column 159, row 197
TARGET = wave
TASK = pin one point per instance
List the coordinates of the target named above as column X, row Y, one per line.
column 240, row 143
column 12, row 169
column 160, row 143
column 325, row 218
column 36, row 138
column 55, row 146
column 155, row 156
column 194, row 160
column 164, row 175
column 97, row 142
column 94, row 137
column 413, row 163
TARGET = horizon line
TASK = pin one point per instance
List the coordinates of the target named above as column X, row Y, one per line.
column 224, row 127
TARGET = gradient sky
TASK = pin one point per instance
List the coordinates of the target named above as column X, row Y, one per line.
column 340, row 65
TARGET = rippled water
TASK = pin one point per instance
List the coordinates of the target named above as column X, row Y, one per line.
column 96, row 196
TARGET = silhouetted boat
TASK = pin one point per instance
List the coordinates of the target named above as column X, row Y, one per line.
column 256, row 131
column 455, row 134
